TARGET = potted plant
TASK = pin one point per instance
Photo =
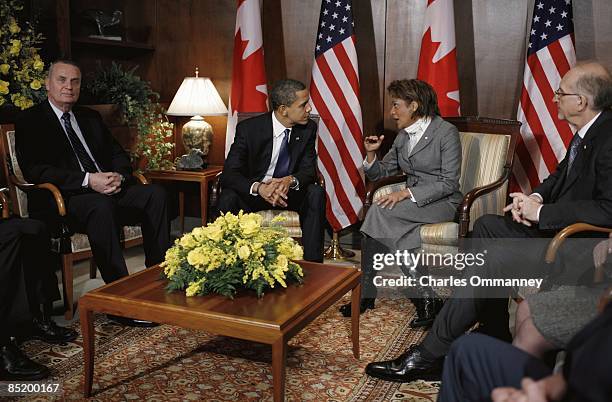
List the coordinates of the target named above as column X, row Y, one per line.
column 137, row 106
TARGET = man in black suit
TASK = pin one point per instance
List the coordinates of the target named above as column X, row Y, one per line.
column 71, row 148
column 480, row 368
column 580, row 190
column 28, row 287
column 272, row 165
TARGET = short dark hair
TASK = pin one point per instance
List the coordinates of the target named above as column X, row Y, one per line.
column 418, row 91
column 283, row 92
column 62, row 61
column 599, row 87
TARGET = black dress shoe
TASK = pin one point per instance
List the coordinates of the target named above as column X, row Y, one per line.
column 131, row 322
column 427, row 310
column 364, row 304
column 48, row 331
column 409, row 366
column 14, row 365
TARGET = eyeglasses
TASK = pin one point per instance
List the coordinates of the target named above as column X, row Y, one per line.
column 559, row 94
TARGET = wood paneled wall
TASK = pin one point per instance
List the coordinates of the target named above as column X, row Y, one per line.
column 490, row 36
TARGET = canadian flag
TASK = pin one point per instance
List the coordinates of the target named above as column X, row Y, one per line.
column 438, row 58
column 249, row 90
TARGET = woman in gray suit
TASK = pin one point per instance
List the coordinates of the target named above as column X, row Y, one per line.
column 427, row 150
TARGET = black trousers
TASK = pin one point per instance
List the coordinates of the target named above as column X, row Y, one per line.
column 477, row 364
column 309, row 203
column 471, row 305
column 27, row 273
column 102, row 217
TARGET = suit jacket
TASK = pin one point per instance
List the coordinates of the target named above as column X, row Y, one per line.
column 46, row 156
column 585, row 194
column 432, row 168
column 251, row 153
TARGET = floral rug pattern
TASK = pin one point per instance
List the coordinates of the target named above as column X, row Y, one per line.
column 173, row 364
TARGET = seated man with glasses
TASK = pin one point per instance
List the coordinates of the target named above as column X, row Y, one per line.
column 579, row 190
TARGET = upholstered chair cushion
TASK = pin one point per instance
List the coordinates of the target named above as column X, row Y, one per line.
column 291, row 221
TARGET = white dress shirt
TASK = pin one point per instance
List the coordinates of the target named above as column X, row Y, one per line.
column 278, row 130
column 77, row 130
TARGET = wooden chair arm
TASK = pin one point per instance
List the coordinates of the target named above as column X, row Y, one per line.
column 4, row 202
column 468, row 200
column 140, row 178
column 57, row 195
column 567, row 231
column 372, row 186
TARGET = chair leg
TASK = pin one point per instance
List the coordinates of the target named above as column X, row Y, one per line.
column 67, row 280
column 93, row 269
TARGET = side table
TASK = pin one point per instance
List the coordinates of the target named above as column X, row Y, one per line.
column 203, row 177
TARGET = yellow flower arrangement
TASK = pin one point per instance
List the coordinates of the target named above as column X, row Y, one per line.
column 22, row 72
column 235, row 251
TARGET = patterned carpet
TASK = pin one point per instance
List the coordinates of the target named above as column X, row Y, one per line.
column 173, row 364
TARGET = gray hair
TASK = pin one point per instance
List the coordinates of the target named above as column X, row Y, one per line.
column 62, row 61
column 596, row 84
column 283, row 92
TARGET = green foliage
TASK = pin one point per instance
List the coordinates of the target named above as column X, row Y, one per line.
column 22, row 72
column 139, row 108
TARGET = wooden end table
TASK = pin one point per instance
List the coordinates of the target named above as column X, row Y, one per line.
column 203, row 177
column 273, row 319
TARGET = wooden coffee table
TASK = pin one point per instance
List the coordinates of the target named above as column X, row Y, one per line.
column 273, row 319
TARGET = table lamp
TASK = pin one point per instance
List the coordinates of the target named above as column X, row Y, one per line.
column 196, row 97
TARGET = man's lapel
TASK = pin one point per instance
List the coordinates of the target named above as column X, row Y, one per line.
column 267, row 134
column 583, row 151
column 296, row 145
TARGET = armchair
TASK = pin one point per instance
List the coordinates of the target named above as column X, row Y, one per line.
column 72, row 247
column 488, row 149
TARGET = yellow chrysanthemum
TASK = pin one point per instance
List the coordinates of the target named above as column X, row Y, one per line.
column 15, row 47
column 250, row 224
column 244, row 252
column 4, row 87
column 13, row 27
column 38, row 65
column 4, row 68
column 35, row 85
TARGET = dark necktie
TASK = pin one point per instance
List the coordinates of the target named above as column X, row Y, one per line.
column 284, row 158
column 86, row 161
column 573, row 151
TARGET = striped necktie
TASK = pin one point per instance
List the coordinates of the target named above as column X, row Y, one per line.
column 284, row 158
column 77, row 146
column 573, row 151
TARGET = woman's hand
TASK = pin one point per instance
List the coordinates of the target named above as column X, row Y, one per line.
column 371, row 143
column 390, row 200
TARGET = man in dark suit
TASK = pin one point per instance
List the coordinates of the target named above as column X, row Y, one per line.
column 28, row 287
column 480, row 368
column 580, row 190
column 272, row 165
column 71, row 148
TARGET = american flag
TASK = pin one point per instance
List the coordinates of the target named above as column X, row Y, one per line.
column 550, row 54
column 334, row 94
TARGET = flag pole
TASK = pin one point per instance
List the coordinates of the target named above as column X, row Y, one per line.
column 336, row 252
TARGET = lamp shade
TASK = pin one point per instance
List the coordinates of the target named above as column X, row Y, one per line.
column 197, row 96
